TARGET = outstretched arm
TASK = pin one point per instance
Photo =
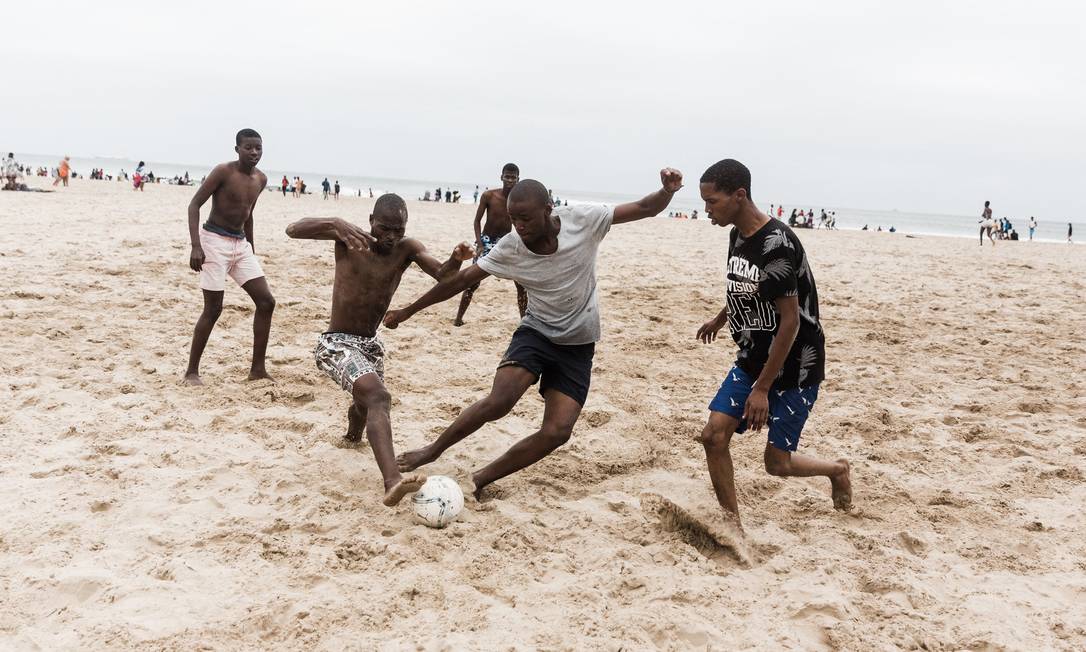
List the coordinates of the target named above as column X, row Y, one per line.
column 670, row 179
column 331, row 228
column 446, row 289
column 203, row 193
column 440, row 271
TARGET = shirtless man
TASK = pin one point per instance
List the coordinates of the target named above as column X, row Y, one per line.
column 494, row 204
column 224, row 246
column 368, row 271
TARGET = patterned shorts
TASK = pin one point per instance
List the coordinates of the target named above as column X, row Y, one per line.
column 346, row 357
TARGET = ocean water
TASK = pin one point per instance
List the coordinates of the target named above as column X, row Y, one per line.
column 687, row 201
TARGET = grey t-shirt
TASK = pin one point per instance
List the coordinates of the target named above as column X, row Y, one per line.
column 562, row 301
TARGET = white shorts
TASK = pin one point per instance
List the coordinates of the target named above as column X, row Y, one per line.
column 225, row 256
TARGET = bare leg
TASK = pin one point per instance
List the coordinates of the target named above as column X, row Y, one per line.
column 356, row 423
column 510, row 383
column 206, row 322
column 717, row 439
column 522, row 298
column 465, row 301
column 370, row 395
column 784, row 463
column 559, row 416
column 265, row 305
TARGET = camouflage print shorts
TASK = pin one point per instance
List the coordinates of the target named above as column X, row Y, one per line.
column 346, row 357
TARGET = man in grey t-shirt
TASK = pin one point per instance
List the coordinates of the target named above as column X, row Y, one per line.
column 552, row 253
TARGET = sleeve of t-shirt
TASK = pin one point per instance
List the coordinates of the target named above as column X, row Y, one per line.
column 780, row 268
column 598, row 218
column 501, row 260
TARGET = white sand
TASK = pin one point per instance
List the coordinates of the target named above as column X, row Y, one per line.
column 138, row 513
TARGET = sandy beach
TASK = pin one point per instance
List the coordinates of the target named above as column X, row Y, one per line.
column 140, row 513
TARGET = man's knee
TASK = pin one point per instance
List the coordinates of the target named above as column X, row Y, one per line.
column 265, row 303
column 212, row 309
column 716, row 436
column 371, row 398
column 777, row 462
column 496, row 406
column 556, row 435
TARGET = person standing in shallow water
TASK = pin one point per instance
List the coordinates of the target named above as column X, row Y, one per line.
column 772, row 313
column 224, row 247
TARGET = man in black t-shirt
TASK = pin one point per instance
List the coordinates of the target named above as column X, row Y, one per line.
column 772, row 313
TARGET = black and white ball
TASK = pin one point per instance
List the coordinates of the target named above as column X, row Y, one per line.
column 438, row 502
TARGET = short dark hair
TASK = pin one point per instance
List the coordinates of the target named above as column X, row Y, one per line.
column 390, row 204
column 986, row 204
column 530, row 190
column 246, row 133
column 511, row 167
column 728, row 175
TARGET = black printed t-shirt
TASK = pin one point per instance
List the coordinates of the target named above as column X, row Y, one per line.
column 768, row 265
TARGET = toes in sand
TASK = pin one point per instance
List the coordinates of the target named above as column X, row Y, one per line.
column 407, row 484
column 842, row 489
column 192, row 379
column 412, row 460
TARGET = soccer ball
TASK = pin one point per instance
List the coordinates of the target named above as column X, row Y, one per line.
column 438, row 502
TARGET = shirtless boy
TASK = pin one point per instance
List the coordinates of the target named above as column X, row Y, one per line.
column 369, row 266
column 224, row 247
column 494, row 204
column 771, row 310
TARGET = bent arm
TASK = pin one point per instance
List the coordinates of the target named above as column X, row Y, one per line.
column 437, row 270
column 315, row 228
column 648, row 206
column 788, row 308
column 479, row 212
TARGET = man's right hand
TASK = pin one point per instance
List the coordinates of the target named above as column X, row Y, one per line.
column 196, row 258
column 707, row 332
column 353, row 236
column 394, row 318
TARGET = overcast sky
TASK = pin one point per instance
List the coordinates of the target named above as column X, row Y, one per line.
column 929, row 106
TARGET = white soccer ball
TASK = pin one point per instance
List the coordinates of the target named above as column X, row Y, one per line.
column 438, row 502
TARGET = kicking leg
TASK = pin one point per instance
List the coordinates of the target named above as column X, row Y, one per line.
column 717, row 439
column 522, row 298
column 371, row 396
column 559, row 416
column 510, row 383
column 206, row 322
column 465, row 301
column 783, row 463
column 265, row 305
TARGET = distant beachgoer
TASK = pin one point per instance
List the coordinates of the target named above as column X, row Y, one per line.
column 224, row 247
column 475, row 197
column 337, row 190
column 986, row 223
column 63, row 172
column 780, row 211
column 371, row 193
column 448, row 196
column 425, row 195
column 892, row 229
column 772, row 313
column 865, row 228
column 325, row 188
column 879, row 229
column 10, row 170
column 285, row 184
column 1032, row 226
column 1068, row 232
column 494, row 205
column 369, row 266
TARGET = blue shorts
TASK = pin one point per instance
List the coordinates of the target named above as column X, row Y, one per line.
column 788, row 408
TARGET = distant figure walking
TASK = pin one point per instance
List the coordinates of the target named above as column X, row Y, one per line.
column 336, row 187
column 325, row 188
column 1069, row 233
column 986, row 224
column 63, row 171
column 1032, row 226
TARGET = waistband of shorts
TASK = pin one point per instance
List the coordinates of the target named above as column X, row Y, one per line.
column 226, row 233
column 375, row 336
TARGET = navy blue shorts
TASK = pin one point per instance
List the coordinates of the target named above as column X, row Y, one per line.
column 564, row 367
column 788, row 408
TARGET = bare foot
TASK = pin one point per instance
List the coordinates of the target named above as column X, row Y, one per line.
column 477, row 489
column 260, row 375
column 412, row 460
column 842, row 488
column 355, row 425
column 192, row 379
column 458, row 322
column 407, row 485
